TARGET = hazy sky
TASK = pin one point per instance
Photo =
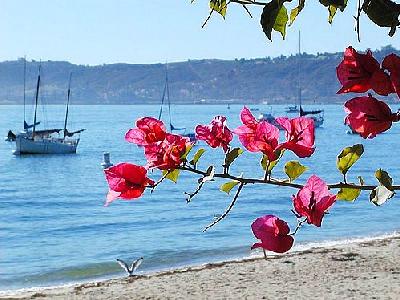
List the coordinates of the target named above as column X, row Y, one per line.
column 100, row 31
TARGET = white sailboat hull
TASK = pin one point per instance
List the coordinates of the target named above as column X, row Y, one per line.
column 27, row 145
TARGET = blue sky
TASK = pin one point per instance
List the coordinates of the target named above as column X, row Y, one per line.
column 131, row 31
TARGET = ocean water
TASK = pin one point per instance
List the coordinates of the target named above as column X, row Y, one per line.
column 55, row 230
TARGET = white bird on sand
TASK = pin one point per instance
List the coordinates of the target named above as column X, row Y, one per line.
column 130, row 269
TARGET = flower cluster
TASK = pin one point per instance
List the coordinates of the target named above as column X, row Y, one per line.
column 261, row 136
column 362, row 72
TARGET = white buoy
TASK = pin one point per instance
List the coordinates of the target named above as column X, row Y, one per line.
column 106, row 160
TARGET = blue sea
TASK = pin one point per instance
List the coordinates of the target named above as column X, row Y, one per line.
column 55, row 230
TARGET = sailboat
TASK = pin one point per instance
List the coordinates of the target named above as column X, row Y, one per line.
column 165, row 97
column 316, row 115
column 34, row 141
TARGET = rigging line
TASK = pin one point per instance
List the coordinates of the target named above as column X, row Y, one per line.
column 162, row 101
column 36, row 102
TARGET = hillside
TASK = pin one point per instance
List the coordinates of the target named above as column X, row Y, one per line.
column 242, row 80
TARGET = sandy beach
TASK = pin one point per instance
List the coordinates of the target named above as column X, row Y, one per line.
column 362, row 270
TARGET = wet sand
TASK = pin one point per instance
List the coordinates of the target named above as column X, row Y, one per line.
column 364, row 270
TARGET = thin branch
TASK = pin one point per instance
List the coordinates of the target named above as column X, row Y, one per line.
column 247, row 10
column 158, row 182
column 191, row 195
column 220, row 218
column 280, row 182
column 208, row 18
column 299, row 225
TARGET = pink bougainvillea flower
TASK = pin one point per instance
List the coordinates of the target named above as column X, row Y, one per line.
column 216, row 134
column 167, row 154
column 313, row 200
column 257, row 136
column 361, row 72
column 273, row 233
column 392, row 64
column 149, row 130
column 126, row 181
column 369, row 116
column 299, row 135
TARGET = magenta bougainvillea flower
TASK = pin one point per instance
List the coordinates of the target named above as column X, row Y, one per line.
column 257, row 136
column 299, row 135
column 167, row 154
column 369, row 116
column 216, row 134
column 149, row 130
column 126, row 181
column 392, row 64
column 361, row 72
column 273, row 233
column 313, row 200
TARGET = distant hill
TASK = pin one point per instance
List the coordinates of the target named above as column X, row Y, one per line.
column 273, row 80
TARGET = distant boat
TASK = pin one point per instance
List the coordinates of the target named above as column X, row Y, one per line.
column 292, row 109
column 165, row 97
column 33, row 141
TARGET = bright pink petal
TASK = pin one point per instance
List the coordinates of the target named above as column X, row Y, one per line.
column 247, row 117
column 135, row 136
column 392, row 64
column 368, row 116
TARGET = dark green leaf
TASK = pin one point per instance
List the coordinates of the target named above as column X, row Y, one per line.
column 294, row 169
column 348, row 157
column 232, row 155
column 332, row 6
column 380, row 195
column 172, row 175
column 384, row 179
column 384, row 13
column 270, row 20
column 197, row 156
column 228, row 186
column 348, row 194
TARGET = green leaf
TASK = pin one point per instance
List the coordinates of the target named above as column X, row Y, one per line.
column 228, row 186
column 197, row 156
column 348, row 194
column 294, row 169
column 332, row 12
column 172, row 174
column 219, row 6
column 348, row 157
column 384, row 179
column 274, row 17
column 380, row 195
column 332, row 6
column 295, row 11
column 188, row 149
column 271, row 164
column 281, row 21
column 232, row 155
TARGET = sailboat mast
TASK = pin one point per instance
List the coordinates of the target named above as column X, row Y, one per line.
column 68, row 97
column 24, row 88
column 36, row 102
column 298, row 75
column 169, row 100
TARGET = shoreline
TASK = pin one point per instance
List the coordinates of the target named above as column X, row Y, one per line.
column 351, row 254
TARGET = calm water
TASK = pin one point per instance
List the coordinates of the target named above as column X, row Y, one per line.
column 54, row 228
